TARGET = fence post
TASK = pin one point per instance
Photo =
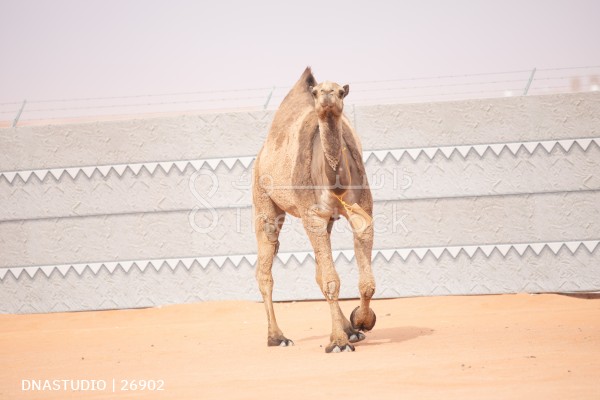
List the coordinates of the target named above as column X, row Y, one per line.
column 269, row 98
column 16, row 120
column 529, row 82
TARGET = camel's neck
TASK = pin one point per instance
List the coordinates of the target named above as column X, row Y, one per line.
column 330, row 130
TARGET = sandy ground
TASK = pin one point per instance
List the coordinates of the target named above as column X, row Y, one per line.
column 484, row 347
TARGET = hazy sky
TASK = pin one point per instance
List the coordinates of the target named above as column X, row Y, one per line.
column 75, row 48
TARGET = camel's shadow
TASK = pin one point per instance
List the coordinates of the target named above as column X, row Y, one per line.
column 395, row 335
column 385, row 335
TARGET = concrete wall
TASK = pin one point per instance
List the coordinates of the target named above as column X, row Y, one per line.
column 471, row 197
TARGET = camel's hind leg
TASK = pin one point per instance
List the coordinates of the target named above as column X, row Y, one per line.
column 268, row 219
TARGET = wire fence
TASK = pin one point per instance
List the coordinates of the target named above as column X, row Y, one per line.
column 391, row 91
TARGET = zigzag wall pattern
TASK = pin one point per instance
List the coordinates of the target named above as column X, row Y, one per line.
column 516, row 177
column 301, row 256
column 230, row 162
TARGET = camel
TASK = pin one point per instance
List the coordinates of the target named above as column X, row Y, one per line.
column 311, row 167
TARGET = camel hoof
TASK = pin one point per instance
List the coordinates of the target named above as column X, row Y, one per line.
column 281, row 342
column 363, row 321
column 356, row 337
column 334, row 348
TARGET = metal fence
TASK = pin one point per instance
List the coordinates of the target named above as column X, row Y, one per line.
column 393, row 91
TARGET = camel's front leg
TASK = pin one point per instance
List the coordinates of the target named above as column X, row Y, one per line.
column 328, row 281
column 363, row 318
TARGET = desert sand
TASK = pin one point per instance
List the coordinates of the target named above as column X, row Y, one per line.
column 480, row 347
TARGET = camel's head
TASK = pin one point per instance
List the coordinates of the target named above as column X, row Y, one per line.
column 329, row 98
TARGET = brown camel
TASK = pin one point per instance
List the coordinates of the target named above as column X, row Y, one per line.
column 311, row 167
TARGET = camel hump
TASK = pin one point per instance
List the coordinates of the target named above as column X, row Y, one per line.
column 295, row 106
column 300, row 94
column 307, row 79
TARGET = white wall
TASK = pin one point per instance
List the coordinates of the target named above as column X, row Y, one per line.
column 471, row 197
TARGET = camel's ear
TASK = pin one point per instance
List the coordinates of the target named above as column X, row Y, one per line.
column 313, row 91
column 346, row 90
